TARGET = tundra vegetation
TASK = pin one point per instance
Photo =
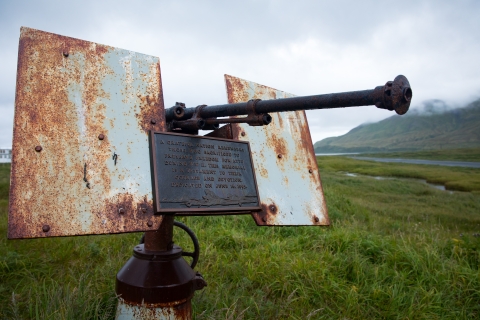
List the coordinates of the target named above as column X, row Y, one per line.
column 462, row 154
column 397, row 249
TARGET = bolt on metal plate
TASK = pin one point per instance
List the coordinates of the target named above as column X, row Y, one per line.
column 77, row 105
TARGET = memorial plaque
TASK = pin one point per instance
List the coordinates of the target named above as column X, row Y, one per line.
column 198, row 175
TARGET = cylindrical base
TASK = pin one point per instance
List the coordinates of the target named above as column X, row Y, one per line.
column 126, row 311
column 156, row 285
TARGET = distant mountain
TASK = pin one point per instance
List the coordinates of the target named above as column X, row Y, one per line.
column 435, row 127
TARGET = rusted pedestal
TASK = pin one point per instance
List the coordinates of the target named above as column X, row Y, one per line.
column 156, row 285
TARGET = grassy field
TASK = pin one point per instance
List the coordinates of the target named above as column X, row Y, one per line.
column 453, row 178
column 397, row 249
column 471, row 154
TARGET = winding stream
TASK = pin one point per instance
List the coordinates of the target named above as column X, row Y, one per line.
column 436, row 186
column 466, row 164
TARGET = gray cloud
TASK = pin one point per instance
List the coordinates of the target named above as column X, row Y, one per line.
column 303, row 47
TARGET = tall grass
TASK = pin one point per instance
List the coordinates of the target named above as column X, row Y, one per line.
column 397, row 249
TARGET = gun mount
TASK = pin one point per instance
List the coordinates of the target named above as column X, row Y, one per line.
column 394, row 95
column 100, row 142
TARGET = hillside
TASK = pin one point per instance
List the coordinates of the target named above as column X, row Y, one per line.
column 430, row 129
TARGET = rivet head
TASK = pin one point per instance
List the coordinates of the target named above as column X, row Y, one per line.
column 121, row 211
column 144, row 210
column 149, row 223
column 310, row 171
column 280, row 156
column 316, row 219
column 46, row 228
column 38, row 148
column 272, row 208
column 264, row 219
column 243, row 134
column 153, row 121
column 101, row 136
column 65, row 53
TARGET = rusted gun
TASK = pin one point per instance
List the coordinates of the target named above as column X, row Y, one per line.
column 394, row 95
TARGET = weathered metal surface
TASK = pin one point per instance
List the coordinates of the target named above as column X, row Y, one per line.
column 157, row 277
column 127, row 311
column 286, row 169
column 194, row 255
column 198, row 175
column 80, row 160
column 156, row 283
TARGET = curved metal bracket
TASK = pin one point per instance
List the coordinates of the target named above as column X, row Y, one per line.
column 255, row 119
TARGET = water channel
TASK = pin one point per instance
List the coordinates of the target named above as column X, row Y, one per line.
column 465, row 164
column 436, row 186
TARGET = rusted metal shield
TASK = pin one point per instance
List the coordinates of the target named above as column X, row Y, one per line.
column 286, row 168
column 80, row 160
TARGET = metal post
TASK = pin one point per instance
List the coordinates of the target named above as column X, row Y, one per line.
column 157, row 283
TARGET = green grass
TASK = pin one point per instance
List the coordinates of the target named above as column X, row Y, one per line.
column 471, row 154
column 453, row 178
column 397, row 249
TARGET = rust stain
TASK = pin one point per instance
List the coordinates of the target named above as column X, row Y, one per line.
column 283, row 158
column 236, row 130
column 268, row 214
column 263, row 172
column 181, row 310
column 179, row 303
column 150, row 117
column 60, row 104
column 278, row 120
column 305, row 145
column 279, row 145
column 261, row 217
column 236, row 90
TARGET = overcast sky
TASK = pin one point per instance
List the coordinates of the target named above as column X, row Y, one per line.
column 302, row 47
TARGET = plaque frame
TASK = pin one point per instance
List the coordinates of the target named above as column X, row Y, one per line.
column 200, row 211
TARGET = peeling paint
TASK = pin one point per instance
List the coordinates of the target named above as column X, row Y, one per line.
column 69, row 92
column 130, row 311
column 285, row 165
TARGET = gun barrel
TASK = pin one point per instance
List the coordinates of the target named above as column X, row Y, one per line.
column 394, row 95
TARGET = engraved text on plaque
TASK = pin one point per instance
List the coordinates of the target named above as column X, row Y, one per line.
column 201, row 175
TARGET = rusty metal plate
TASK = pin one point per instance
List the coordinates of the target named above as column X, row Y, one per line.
column 194, row 174
column 286, row 168
column 80, row 161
